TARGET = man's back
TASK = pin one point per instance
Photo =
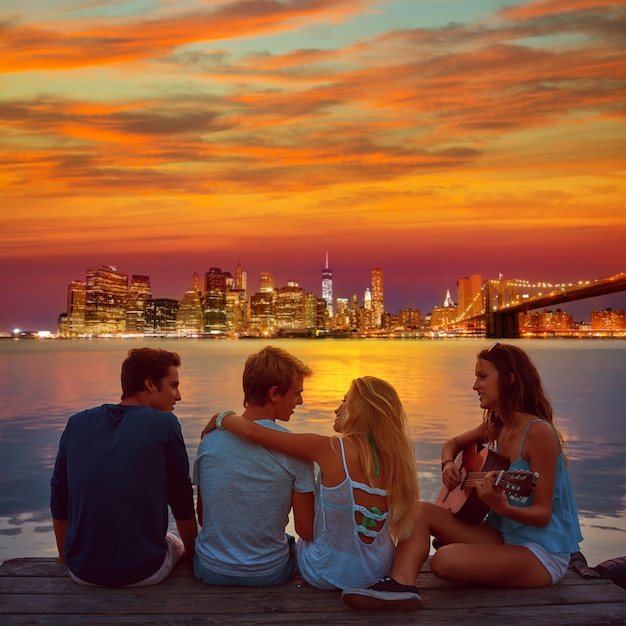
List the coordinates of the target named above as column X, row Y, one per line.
column 117, row 467
column 246, row 493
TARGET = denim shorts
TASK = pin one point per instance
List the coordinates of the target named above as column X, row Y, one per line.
column 282, row 575
column 556, row 564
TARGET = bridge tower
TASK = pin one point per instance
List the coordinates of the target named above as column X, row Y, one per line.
column 499, row 323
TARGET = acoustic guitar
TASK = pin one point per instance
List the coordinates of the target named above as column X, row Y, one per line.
column 473, row 463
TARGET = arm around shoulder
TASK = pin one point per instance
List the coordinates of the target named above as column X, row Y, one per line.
column 307, row 446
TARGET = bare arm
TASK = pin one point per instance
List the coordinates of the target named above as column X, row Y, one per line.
column 449, row 471
column 188, row 530
column 60, row 531
column 542, row 449
column 303, row 514
column 307, row 446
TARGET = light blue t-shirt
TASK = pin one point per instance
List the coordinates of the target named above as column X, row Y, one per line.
column 562, row 534
column 246, row 494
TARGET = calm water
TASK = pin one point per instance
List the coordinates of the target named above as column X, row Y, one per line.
column 44, row 382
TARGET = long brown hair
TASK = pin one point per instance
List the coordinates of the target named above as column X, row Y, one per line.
column 521, row 392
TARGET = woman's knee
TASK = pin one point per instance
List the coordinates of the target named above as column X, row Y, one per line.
column 442, row 563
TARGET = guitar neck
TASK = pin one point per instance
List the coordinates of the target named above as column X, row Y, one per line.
column 471, row 479
column 518, row 483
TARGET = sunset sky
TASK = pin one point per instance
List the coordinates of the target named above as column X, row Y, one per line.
column 432, row 139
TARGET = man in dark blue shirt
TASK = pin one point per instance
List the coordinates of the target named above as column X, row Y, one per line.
column 118, row 468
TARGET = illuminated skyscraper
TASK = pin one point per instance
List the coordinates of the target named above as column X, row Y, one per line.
column 267, row 282
column 214, row 300
column 161, row 314
column 139, row 293
column 290, row 306
column 240, row 278
column 189, row 319
column 327, row 287
column 195, row 283
column 367, row 300
column 310, row 310
column 76, row 308
column 444, row 316
column 342, row 314
column 262, row 317
column 366, row 314
column 106, row 293
column 378, row 301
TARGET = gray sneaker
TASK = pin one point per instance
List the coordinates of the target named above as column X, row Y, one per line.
column 386, row 595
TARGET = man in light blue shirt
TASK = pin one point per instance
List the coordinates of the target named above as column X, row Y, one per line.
column 246, row 492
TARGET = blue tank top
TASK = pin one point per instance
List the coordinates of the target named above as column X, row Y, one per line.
column 562, row 534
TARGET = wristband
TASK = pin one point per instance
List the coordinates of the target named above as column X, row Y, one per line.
column 220, row 419
column 443, row 463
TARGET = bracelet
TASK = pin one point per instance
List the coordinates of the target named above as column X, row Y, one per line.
column 443, row 463
column 220, row 419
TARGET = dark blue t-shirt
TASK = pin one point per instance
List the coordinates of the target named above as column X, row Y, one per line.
column 117, row 469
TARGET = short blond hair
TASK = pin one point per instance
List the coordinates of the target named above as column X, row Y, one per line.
column 267, row 368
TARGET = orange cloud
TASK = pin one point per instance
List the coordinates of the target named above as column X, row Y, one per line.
column 543, row 8
column 516, row 120
column 83, row 42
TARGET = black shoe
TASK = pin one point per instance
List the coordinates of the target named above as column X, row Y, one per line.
column 386, row 594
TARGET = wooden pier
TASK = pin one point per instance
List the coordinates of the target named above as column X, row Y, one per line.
column 39, row 591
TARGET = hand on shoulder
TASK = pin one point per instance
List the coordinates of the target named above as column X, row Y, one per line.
column 210, row 426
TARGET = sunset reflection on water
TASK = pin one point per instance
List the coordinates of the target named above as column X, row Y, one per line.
column 44, row 382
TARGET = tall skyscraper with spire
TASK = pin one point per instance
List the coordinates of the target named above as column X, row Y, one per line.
column 378, row 303
column 327, row 287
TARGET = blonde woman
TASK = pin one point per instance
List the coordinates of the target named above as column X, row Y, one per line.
column 366, row 490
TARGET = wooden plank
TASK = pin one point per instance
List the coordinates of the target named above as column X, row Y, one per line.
column 181, row 591
column 39, row 591
column 550, row 616
column 143, row 602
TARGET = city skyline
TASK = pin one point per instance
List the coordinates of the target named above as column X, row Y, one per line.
column 139, row 283
column 433, row 140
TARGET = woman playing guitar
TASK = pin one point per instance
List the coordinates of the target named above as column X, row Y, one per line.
column 521, row 543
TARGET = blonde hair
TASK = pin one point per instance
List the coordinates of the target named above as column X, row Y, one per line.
column 267, row 368
column 372, row 408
